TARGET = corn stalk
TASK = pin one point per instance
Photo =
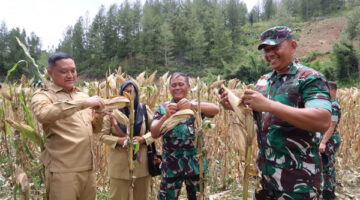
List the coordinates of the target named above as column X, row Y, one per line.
column 131, row 148
column 247, row 129
column 200, row 140
column 249, row 126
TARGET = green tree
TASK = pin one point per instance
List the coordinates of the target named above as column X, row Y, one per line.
column 269, row 8
column 235, row 18
column 78, row 44
column 151, row 21
column 221, row 45
column 346, row 61
column 3, row 48
column 167, row 44
column 96, row 47
column 66, row 45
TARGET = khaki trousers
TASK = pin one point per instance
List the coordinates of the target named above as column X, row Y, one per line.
column 71, row 186
column 119, row 188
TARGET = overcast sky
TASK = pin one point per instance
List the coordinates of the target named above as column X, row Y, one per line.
column 48, row 19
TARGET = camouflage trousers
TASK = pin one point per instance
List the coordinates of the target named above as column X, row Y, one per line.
column 329, row 171
column 277, row 195
column 267, row 194
column 170, row 187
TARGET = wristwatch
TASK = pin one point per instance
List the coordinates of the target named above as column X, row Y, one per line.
column 194, row 105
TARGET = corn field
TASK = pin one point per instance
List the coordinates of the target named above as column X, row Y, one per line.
column 225, row 141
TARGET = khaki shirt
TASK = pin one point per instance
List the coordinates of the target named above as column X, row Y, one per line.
column 67, row 123
column 118, row 166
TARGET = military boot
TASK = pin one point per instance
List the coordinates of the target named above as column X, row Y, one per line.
column 328, row 195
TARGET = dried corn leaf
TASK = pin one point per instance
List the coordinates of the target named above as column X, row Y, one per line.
column 28, row 131
column 151, row 78
column 22, row 179
column 119, row 70
column 141, row 78
column 5, row 92
column 216, row 83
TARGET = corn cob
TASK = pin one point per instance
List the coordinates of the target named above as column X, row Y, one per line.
column 120, row 117
column 175, row 119
column 116, row 103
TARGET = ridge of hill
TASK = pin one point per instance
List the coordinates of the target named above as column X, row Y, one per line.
column 319, row 35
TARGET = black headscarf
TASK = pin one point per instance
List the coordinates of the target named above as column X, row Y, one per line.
column 139, row 112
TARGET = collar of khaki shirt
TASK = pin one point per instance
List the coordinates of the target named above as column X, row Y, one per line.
column 57, row 88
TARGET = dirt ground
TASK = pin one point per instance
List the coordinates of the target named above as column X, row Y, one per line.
column 319, row 35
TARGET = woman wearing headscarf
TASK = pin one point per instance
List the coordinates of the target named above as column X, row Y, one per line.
column 114, row 134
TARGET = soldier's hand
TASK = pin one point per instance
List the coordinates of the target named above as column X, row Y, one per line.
column 256, row 101
column 225, row 101
column 322, row 147
column 95, row 102
column 171, row 108
column 184, row 104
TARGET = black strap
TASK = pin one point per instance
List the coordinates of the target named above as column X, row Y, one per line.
column 152, row 146
column 262, row 142
column 146, row 118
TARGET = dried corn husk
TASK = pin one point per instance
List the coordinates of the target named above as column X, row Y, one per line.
column 120, row 117
column 102, row 85
column 216, row 83
column 119, row 70
column 5, row 92
column 120, row 79
column 175, row 119
column 237, row 105
column 22, row 179
column 28, row 131
column 140, row 78
column 151, row 78
column 232, row 83
column 163, row 79
column 116, row 103
column 111, row 80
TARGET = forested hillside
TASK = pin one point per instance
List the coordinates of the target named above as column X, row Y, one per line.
column 201, row 37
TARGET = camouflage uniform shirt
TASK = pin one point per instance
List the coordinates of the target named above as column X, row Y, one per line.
column 179, row 151
column 289, row 157
column 333, row 143
column 332, row 146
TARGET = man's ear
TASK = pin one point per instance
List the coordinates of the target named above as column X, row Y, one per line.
column 293, row 44
column 49, row 72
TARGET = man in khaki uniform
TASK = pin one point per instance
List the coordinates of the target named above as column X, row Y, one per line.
column 68, row 123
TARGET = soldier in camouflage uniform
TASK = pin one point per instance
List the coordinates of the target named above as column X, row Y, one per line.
column 291, row 104
column 329, row 145
column 179, row 152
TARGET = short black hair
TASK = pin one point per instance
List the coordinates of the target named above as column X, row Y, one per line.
column 57, row 56
column 332, row 85
column 177, row 74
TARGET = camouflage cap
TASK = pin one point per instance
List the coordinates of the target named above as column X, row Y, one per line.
column 274, row 36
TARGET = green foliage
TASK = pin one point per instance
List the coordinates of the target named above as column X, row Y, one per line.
column 11, row 52
column 201, row 38
column 322, row 62
column 248, row 71
column 353, row 25
column 346, row 61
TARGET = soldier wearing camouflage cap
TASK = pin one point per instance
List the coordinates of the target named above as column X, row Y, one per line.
column 291, row 105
